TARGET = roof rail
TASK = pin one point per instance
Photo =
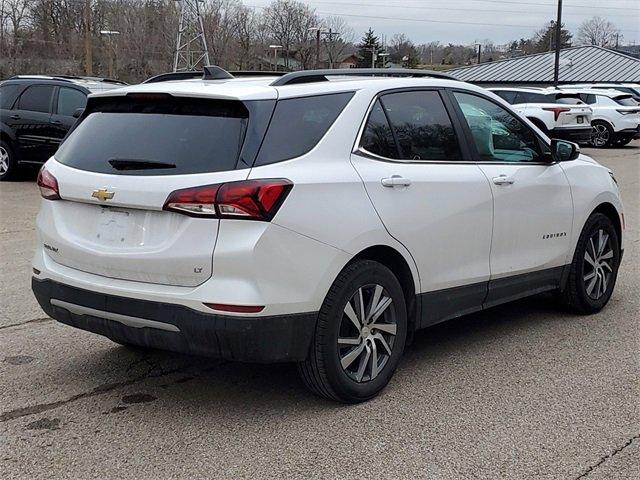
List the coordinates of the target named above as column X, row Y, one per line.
column 257, row 73
column 309, row 76
column 170, row 76
column 69, row 78
column 210, row 72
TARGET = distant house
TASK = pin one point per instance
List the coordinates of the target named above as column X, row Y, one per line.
column 349, row 61
column 589, row 64
column 631, row 50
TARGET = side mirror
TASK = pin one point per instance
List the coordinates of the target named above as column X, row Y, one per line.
column 78, row 113
column 564, row 151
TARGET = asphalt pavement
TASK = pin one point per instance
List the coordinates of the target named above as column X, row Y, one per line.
column 516, row 392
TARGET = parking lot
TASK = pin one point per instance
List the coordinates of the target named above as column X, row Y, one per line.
column 518, row 391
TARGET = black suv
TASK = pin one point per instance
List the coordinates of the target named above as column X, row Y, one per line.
column 36, row 112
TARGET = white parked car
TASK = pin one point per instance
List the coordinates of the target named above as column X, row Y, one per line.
column 630, row 88
column 616, row 116
column 312, row 221
column 558, row 114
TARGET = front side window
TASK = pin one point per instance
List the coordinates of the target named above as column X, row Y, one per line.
column 298, row 124
column 421, row 125
column 499, row 136
column 8, row 94
column 36, row 98
column 70, row 100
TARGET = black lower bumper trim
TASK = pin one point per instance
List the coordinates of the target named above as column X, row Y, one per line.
column 280, row 338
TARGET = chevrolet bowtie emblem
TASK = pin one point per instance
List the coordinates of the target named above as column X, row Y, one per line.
column 102, row 194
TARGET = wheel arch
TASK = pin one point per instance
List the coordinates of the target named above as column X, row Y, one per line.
column 610, row 211
column 396, row 262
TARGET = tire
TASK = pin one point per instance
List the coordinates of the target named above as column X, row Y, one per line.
column 621, row 142
column 602, row 136
column 585, row 292
column 323, row 371
column 8, row 162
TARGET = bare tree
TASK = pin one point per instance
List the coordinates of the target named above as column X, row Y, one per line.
column 337, row 37
column 598, row 31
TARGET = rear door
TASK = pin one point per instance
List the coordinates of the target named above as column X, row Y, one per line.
column 533, row 209
column 29, row 119
column 432, row 201
column 66, row 101
column 116, row 170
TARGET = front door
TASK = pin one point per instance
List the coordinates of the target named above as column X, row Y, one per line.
column 429, row 199
column 533, row 209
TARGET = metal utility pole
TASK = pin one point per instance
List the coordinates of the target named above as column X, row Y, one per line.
column 275, row 55
column 329, row 44
column 479, row 45
column 110, row 34
column 556, row 66
column 191, row 45
column 88, row 51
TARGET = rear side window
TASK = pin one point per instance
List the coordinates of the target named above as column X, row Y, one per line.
column 527, row 97
column 298, row 124
column 507, row 95
column 36, row 98
column 377, row 137
column 149, row 137
column 8, row 94
column 70, row 100
column 421, row 125
column 626, row 101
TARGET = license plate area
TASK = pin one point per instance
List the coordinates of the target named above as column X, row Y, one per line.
column 580, row 119
column 113, row 227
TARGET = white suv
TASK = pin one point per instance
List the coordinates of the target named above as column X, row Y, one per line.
column 558, row 114
column 616, row 116
column 313, row 221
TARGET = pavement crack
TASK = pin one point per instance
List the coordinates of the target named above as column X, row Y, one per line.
column 608, row 456
column 43, row 407
column 20, row 324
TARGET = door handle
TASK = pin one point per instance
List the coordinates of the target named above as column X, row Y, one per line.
column 395, row 181
column 55, row 122
column 503, row 180
column 15, row 116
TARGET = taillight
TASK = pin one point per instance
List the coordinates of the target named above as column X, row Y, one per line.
column 557, row 111
column 48, row 185
column 246, row 199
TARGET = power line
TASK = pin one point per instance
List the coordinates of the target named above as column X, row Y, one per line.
column 413, row 7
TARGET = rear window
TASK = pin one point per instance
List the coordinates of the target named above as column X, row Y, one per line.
column 298, row 124
column 507, row 95
column 36, row 98
column 566, row 100
column 168, row 136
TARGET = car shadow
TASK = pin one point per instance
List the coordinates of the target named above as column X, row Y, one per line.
column 196, row 381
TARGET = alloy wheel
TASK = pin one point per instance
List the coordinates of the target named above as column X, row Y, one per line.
column 367, row 333
column 600, row 135
column 4, row 161
column 598, row 264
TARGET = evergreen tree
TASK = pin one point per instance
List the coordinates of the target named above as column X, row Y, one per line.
column 545, row 39
column 366, row 47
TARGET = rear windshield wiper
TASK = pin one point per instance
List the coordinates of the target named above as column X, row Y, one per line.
column 126, row 164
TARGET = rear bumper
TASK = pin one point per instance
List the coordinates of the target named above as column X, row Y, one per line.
column 579, row 135
column 166, row 326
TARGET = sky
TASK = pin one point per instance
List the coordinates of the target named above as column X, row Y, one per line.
column 470, row 21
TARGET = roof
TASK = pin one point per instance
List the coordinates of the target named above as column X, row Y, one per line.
column 260, row 88
column 92, row 84
column 611, row 93
column 577, row 65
